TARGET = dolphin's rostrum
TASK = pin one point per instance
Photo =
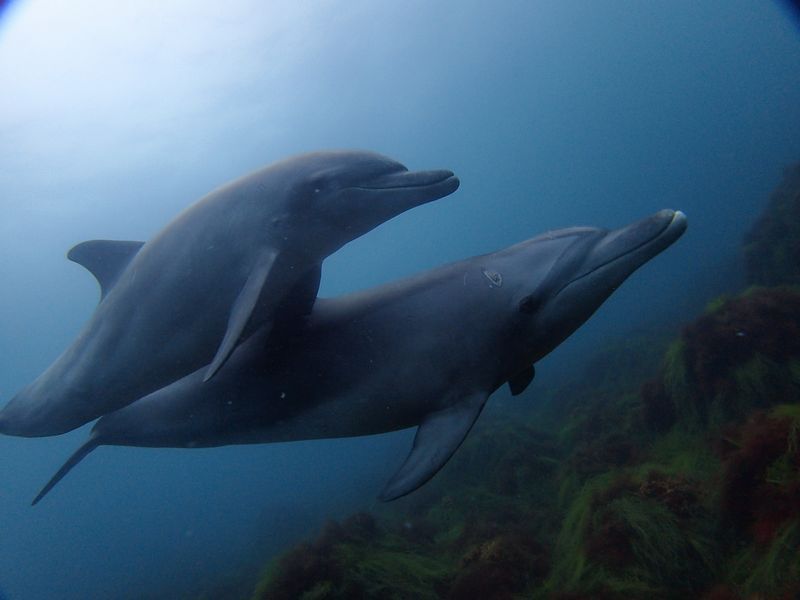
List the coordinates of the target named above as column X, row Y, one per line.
column 426, row 351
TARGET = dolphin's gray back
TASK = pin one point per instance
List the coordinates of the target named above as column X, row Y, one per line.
column 359, row 364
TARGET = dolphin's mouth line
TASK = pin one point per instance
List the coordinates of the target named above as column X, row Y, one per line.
column 676, row 216
column 407, row 186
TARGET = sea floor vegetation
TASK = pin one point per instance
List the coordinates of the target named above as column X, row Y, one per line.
column 684, row 485
column 671, row 469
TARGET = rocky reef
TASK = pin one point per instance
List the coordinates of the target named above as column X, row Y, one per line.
column 675, row 474
column 772, row 247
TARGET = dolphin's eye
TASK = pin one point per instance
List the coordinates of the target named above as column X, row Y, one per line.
column 530, row 304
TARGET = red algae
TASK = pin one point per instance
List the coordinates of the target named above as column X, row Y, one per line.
column 761, row 480
column 764, row 321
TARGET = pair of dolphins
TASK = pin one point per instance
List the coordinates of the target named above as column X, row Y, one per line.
column 212, row 334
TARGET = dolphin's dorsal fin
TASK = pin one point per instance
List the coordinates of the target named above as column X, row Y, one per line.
column 242, row 309
column 438, row 437
column 105, row 259
column 521, row 380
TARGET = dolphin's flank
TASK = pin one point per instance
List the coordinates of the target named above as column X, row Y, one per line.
column 426, row 351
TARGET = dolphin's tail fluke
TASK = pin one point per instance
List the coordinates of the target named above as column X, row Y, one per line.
column 78, row 456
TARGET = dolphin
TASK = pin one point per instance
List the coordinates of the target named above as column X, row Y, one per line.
column 210, row 278
column 425, row 351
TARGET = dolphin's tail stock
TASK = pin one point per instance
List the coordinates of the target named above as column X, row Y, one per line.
column 92, row 443
column 6, row 424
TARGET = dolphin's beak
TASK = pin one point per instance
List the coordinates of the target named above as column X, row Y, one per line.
column 646, row 237
column 408, row 179
column 606, row 263
column 620, row 252
column 421, row 186
column 400, row 190
column 626, row 249
column 640, row 241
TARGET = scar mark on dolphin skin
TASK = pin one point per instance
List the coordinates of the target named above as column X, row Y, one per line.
column 495, row 279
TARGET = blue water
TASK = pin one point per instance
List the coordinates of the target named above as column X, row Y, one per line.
column 115, row 116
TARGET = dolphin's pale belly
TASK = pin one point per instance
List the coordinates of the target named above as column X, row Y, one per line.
column 341, row 417
column 314, row 410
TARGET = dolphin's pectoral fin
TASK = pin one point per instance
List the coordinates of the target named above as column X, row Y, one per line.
column 73, row 460
column 242, row 309
column 438, row 437
column 521, row 380
column 105, row 259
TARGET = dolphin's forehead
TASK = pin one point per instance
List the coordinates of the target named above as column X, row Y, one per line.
column 574, row 232
column 555, row 240
column 547, row 259
column 355, row 164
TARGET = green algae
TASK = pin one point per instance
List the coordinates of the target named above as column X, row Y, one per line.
column 791, row 411
column 783, row 471
column 717, row 304
column 678, row 386
column 389, row 570
column 321, row 591
column 681, row 452
column 739, row 356
column 614, row 539
column 570, row 564
column 388, row 567
column 760, row 383
column 606, row 508
column 667, row 553
column 771, row 571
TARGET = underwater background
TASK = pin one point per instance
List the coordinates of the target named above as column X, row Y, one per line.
column 656, row 454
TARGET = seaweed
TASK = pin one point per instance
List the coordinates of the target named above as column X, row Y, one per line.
column 499, row 568
column 686, row 485
column 354, row 559
column 658, row 409
column 761, row 480
column 772, row 246
column 762, row 321
column 677, row 493
column 680, row 452
column 731, row 360
column 772, row 571
column 626, row 535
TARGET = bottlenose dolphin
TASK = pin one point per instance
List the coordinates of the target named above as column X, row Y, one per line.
column 210, row 278
column 426, row 351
